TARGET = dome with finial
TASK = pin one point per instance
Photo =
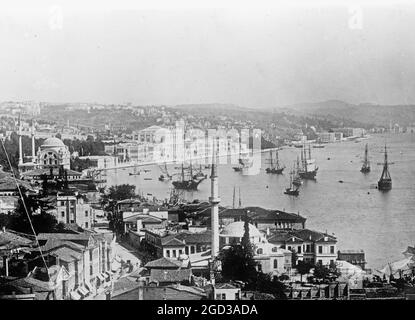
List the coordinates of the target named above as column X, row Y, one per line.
column 52, row 143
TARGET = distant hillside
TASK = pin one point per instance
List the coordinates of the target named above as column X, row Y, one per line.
column 379, row 115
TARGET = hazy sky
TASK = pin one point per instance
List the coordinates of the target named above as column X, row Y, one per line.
column 262, row 56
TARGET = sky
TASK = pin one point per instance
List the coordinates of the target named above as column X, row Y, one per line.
column 257, row 54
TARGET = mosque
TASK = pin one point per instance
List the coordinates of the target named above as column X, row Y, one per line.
column 51, row 158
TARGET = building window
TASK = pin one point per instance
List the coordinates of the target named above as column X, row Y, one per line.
column 168, row 253
column 62, row 203
column 63, row 214
column 259, row 251
column 289, row 247
column 320, row 249
column 180, row 252
column 320, row 262
column 223, row 296
column 174, row 253
column 259, row 268
column 332, row 249
column 299, row 249
column 86, row 225
column 86, row 213
column 192, row 249
column 275, row 264
column 218, row 296
column 308, row 248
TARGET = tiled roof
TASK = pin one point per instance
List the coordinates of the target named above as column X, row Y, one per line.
column 172, row 242
column 170, row 275
column 164, row 263
column 67, row 254
column 225, row 286
column 307, row 235
column 195, row 238
column 52, row 244
column 300, row 235
column 64, row 236
column 260, row 214
column 10, row 240
column 55, row 172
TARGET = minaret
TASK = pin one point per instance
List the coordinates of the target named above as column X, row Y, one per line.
column 33, row 142
column 214, row 201
column 20, row 142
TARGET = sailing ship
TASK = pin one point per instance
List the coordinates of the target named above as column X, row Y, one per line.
column 275, row 166
column 135, row 173
column 366, row 164
column 292, row 190
column 199, row 174
column 244, row 163
column 296, row 177
column 309, row 168
column 187, row 183
column 165, row 176
column 385, row 181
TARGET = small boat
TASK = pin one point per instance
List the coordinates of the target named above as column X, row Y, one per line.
column 199, row 174
column 135, row 173
column 341, row 181
column 319, row 145
column 148, row 178
column 165, row 176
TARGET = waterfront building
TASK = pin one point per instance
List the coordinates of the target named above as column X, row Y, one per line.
column 326, row 137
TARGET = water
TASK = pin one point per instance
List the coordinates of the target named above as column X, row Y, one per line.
column 361, row 217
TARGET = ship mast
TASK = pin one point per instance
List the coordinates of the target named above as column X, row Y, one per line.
column 272, row 162
column 277, row 160
column 385, row 172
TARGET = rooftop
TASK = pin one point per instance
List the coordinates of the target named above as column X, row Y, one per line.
column 170, row 275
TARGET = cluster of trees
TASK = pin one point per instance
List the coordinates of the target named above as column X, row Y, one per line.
column 80, row 164
column 42, row 221
column 109, row 199
column 88, row 147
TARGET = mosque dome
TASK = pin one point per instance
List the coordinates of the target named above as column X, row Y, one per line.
column 53, row 143
column 237, row 230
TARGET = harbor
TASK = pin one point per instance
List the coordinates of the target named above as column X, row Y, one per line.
column 377, row 222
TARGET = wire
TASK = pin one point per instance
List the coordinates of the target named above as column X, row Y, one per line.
column 24, row 205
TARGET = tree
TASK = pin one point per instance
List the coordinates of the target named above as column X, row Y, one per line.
column 303, row 268
column 238, row 260
column 109, row 200
column 326, row 272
